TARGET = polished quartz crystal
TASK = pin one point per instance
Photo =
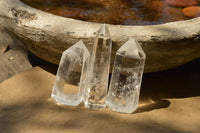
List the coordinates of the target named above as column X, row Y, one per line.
column 71, row 75
column 98, row 72
column 124, row 89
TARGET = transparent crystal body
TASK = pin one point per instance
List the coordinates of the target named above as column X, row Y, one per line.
column 124, row 89
column 98, row 72
column 70, row 78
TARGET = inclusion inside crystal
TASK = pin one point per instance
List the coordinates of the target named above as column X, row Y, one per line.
column 126, row 78
column 99, row 70
column 70, row 79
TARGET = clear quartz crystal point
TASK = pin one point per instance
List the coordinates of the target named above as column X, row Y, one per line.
column 98, row 72
column 70, row 79
column 124, row 89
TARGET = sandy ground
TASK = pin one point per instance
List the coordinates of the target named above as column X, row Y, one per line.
column 169, row 103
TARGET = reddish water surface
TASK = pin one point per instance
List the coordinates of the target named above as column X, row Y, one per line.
column 124, row 12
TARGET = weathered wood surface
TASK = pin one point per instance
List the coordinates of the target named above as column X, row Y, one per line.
column 47, row 36
column 3, row 40
column 15, row 59
column 13, row 62
column 3, row 48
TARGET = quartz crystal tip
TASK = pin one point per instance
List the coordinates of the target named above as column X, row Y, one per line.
column 132, row 49
column 79, row 47
column 70, row 78
column 103, row 31
column 124, row 89
column 98, row 72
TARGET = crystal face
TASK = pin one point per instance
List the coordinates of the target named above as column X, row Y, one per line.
column 71, row 75
column 124, row 89
column 98, row 72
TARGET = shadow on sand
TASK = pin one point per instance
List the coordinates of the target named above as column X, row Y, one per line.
column 181, row 82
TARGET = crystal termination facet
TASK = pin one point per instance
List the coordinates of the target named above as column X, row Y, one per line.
column 70, row 78
column 98, row 72
column 124, row 89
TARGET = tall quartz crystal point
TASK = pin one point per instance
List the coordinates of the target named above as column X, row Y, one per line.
column 124, row 89
column 71, row 75
column 98, row 72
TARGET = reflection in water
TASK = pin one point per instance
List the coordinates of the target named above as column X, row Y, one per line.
column 125, row 12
